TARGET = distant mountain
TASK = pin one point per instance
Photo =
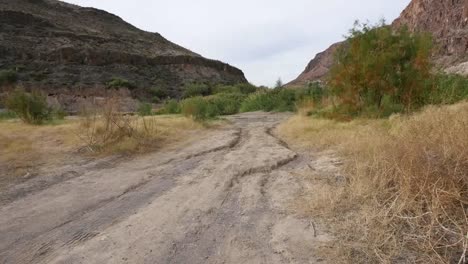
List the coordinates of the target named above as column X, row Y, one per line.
column 447, row 20
column 72, row 50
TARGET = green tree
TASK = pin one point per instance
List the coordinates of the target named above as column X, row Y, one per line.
column 279, row 83
column 379, row 66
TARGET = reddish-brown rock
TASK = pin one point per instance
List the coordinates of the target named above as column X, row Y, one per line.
column 447, row 20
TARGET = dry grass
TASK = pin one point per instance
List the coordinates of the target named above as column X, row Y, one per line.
column 406, row 197
column 106, row 131
column 26, row 148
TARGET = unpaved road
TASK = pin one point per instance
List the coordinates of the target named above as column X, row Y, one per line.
column 225, row 198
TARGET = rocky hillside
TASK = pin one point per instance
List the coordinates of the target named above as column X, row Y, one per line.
column 447, row 20
column 317, row 67
column 67, row 49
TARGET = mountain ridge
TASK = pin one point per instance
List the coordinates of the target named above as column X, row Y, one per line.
column 72, row 51
column 447, row 20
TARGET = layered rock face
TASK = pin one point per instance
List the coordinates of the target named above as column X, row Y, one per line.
column 67, row 49
column 447, row 20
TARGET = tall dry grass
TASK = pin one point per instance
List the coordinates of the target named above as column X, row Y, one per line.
column 406, row 197
column 105, row 130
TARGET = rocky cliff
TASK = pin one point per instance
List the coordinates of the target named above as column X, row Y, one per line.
column 67, row 49
column 317, row 67
column 447, row 20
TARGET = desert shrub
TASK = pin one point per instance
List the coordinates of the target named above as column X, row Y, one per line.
column 278, row 83
column 243, row 88
column 5, row 115
column 314, row 91
column 199, row 108
column 170, row 107
column 380, row 62
column 145, row 109
column 280, row 100
column 447, row 89
column 196, row 89
column 120, row 83
column 32, row 107
column 105, row 129
column 159, row 92
column 8, row 77
column 59, row 113
column 227, row 103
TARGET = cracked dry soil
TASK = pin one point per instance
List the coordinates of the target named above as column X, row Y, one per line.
column 225, row 198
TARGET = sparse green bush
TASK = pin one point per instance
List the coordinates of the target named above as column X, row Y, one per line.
column 170, row 107
column 447, row 89
column 145, row 109
column 120, row 83
column 196, row 89
column 199, row 108
column 279, row 100
column 8, row 77
column 243, row 88
column 32, row 108
column 227, row 103
column 159, row 92
column 59, row 114
column 7, row 115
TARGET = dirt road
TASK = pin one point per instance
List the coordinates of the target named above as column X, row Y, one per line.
column 224, row 198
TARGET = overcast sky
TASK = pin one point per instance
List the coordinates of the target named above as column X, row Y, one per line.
column 267, row 39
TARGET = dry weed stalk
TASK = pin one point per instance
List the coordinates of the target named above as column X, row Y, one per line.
column 105, row 127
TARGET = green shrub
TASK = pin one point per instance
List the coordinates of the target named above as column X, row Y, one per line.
column 447, row 89
column 380, row 62
column 199, row 108
column 196, row 89
column 7, row 115
column 227, row 103
column 170, row 107
column 145, row 109
column 30, row 107
column 59, row 114
column 279, row 100
column 243, row 88
column 159, row 92
column 8, row 77
column 120, row 83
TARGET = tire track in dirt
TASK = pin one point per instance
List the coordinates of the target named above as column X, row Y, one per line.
column 220, row 200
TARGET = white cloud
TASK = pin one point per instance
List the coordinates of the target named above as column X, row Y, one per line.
column 267, row 39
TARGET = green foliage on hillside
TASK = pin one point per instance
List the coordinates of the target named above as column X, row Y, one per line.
column 120, row 83
column 8, row 77
column 196, row 89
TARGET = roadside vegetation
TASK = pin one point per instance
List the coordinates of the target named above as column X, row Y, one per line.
column 400, row 129
column 204, row 102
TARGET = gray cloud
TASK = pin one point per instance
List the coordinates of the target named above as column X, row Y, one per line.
column 267, row 39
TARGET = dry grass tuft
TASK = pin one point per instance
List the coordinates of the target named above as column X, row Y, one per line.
column 406, row 197
column 106, row 131
column 25, row 149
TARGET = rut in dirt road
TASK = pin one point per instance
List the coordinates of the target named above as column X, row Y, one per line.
column 222, row 199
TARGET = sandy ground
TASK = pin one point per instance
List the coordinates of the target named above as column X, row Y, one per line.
column 225, row 198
